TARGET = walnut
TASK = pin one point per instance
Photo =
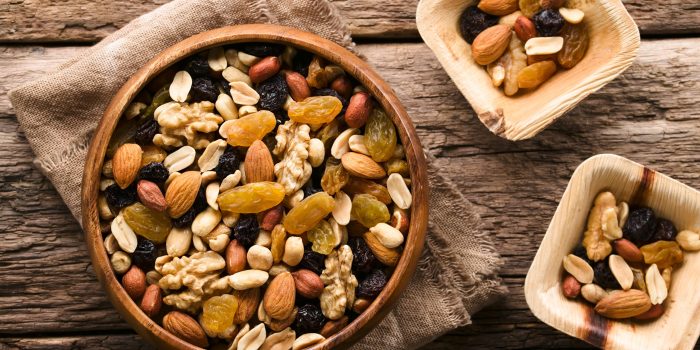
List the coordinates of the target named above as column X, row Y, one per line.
column 339, row 292
column 294, row 170
column 185, row 122
column 199, row 273
column 602, row 225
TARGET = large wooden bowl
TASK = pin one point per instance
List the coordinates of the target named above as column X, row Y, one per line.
column 614, row 40
column 679, row 326
column 354, row 66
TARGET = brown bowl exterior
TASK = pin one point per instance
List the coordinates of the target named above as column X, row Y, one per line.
column 679, row 326
column 355, row 67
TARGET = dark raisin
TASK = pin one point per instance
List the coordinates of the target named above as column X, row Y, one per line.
column 371, row 286
column 146, row 131
column 273, row 93
column 186, row 219
column 310, row 189
column 474, row 21
column 309, row 319
column 640, row 225
column 603, row 275
column 155, row 172
column 118, row 198
column 246, row 230
column 548, row 22
column 261, row 49
column 203, row 89
column 363, row 260
column 281, row 116
column 198, row 66
column 145, row 255
column 317, row 174
column 301, row 61
column 313, row 261
column 200, row 202
column 229, row 162
column 665, row 231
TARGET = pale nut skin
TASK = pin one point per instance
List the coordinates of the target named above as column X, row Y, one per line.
column 259, row 258
column 247, row 279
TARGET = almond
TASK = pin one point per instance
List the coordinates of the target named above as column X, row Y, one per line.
column 182, row 192
column 134, row 282
column 248, row 301
column 235, row 257
column 307, row 283
column 362, row 166
column 625, row 304
column 186, row 328
column 332, row 327
column 360, row 305
column 570, row 287
column 126, row 164
column 490, row 44
column 258, row 163
column 265, row 68
column 279, row 296
column 386, row 256
column 524, row 29
column 150, row 195
column 342, row 85
column 498, row 7
column 628, row 251
column 271, row 218
column 298, row 86
column 359, row 109
column 152, row 300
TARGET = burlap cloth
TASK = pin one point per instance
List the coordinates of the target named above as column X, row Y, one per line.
column 456, row 275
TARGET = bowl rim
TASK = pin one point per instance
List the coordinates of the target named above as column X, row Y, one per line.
column 353, row 66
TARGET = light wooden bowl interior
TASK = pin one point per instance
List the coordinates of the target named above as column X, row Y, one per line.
column 679, row 326
column 332, row 52
column 614, row 40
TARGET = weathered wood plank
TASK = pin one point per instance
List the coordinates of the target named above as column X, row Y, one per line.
column 649, row 115
column 90, row 21
column 96, row 342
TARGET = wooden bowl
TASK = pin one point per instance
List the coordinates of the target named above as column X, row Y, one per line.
column 355, row 67
column 614, row 40
column 678, row 327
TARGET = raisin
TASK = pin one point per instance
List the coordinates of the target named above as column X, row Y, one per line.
column 662, row 253
column 261, row 49
column 197, row 66
column 145, row 255
column 301, row 61
column 218, row 313
column 309, row 319
column 473, row 21
column 273, row 93
column 331, row 92
column 640, row 225
column 229, row 162
column 310, row 189
column 529, row 7
column 146, row 131
column 380, row 136
column 251, row 198
column 250, row 128
column 371, row 286
column 580, row 251
column 200, row 202
column 308, row 213
column 246, row 230
column 147, row 222
column 322, row 238
column 313, row 261
column 334, row 176
column 369, row 211
column 203, row 89
column 548, row 22
column 281, row 116
column 155, row 172
column 186, row 219
column 362, row 257
column 603, row 275
column 535, row 74
column 665, row 231
column 118, row 198
column 575, row 45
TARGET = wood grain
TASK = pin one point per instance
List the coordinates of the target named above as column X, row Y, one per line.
column 649, row 115
column 90, row 21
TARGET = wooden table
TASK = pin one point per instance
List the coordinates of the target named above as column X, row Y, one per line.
column 50, row 298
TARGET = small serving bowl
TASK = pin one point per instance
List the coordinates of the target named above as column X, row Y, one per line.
column 332, row 52
column 678, row 327
column 614, row 40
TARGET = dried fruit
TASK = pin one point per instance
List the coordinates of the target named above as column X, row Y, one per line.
column 146, row 131
column 145, row 254
column 273, row 92
column 322, row 238
column 548, row 22
column 473, row 21
column 363, row 259
column 367, row 210
column 315, row 110
column 380, row 136
column 312, row 261
column 203, row 89
column 155, row 172
column 251, row 198
column 309, row 319
column 308, row 213
column 229, row 163
column 603, row 276
column 245, row 130
column 197, row 66
column 529, row 7
column 147, row 222
column 118, row 198
column 362, row 186
column 371, row 286
column 665, row 231
column 662, row 253
column 218, row 312
column 334, row 177
column 534, row 75
column 575, row 45
column 246, row 230
column 624, row 304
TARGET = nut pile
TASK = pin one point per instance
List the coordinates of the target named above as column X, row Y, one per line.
column 522, row 43
column 254, row 197
column 626, row 259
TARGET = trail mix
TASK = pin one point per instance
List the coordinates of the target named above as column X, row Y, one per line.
column 626, row 259
column 522, row 43
column 254, row 196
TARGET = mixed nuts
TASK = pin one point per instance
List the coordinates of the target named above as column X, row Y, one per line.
column 522, row 43
column 626, row 259
column 257, row 197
